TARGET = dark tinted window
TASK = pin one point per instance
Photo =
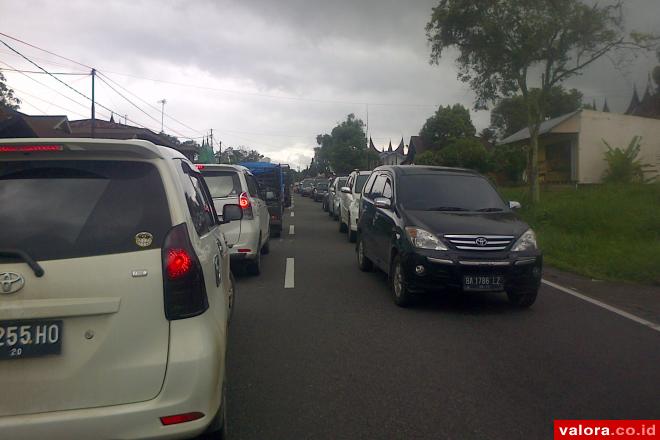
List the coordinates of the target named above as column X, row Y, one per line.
column 360, row 181
column 253, row 186
column 69, row 209
column 200, row 209
column 322, row 185
column 222, row 183
column 448, row 192
column 387, row 191
column 377, row 188
column 342, row 182
column 370, row 183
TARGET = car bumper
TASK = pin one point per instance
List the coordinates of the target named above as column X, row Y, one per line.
column 248, row 239
column 431, row 270
column 192, row 383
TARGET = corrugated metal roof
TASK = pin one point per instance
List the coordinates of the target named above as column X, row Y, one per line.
column 546, row 126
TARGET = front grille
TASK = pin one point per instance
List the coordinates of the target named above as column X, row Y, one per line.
column 480, row 242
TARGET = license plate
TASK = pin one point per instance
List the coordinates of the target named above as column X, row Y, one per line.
column 483, row 282
column 22, row 339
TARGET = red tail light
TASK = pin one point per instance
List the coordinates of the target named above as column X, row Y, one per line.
column 183, row 280
column 200, row 167
column 181, row 418
column 243, row 201
column 29, row 148
column 179, row 263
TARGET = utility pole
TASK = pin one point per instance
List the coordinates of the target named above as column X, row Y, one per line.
column 162, row 102
column 93, row 105
column 211, row 139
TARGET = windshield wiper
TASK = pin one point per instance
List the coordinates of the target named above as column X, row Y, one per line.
column 17, row 253
column 447, row 208
column 490, row 210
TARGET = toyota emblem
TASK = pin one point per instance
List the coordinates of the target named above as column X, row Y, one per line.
column 11, row 282
column 481, row 241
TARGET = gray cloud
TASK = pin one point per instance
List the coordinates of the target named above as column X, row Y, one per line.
column 351, row 51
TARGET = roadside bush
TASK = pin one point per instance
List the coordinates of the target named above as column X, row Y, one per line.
column 510, row 161
column 429, row 157
column 465, row 153
column 623, row 164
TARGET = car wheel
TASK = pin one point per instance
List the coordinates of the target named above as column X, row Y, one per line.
column 402, row 296
column 364, row 263
column 522, row 298
column 352, row 235
column 232, row 294
column 265, row 249
column 254, row 266
column 342, row 225
column 276, row 234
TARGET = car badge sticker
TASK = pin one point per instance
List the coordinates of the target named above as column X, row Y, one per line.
column 144, row 239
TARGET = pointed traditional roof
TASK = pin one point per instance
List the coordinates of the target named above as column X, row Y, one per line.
column 389, row 149
column 112, row 117
column 634, row 102
column 606, row 108
column 400, row 148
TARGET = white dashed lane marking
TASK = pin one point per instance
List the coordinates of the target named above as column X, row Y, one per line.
column 292, row 230
column 289, row 275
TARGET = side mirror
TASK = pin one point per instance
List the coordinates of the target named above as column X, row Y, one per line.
column 270, row 195
column 382, row 202
column 231, row 213
column 515, row 205
column 345, row 190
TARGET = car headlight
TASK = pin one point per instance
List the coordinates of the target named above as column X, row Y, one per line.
column 423, row 239
column 526, row 242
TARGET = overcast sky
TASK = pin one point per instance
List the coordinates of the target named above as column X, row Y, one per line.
column 266, row 74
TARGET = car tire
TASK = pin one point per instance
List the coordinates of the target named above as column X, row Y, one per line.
column 364, row 263
column 276, row 234
column 254, row 266
column 352, row 235
column 265, row 249
column 522, row 298
column 232, row 296
column 402, row 295
column 342, row 225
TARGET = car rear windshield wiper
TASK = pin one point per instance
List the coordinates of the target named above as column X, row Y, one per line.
column 17, row 253
column 447, row 208
column 490, row 210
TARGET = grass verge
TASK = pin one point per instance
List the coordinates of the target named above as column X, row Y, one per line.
column 605, row 231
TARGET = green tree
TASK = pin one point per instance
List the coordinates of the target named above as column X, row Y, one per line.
column 510, row 114
column 7, row 97
column 623, row 164
column 447, row 124
column 344, row 149
column 239, row 154
column 506, row 45
column 462, row 153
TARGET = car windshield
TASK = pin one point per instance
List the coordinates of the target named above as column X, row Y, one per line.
column 448, row 192
column 360, row 181
column 322, row 185
column 103, row 218
column 222, row 183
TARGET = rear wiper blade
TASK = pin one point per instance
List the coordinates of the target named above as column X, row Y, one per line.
column 17, row 253
column 490, row 210
column 447, row 208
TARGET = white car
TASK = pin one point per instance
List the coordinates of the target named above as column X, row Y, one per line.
column 349, row 203
column 115, row 292
column 248, row 239
column 334, row 195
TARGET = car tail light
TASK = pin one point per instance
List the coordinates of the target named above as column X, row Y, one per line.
column 183, row 279
column 246, row 206
column 181, row 418
column 200, row 167
column 245, row 251
column 29, row 148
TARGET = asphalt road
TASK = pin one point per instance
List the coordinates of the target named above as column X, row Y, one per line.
column 334, row 358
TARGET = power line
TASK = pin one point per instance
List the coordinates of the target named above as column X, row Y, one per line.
column 48, row 102
column 42, row 73
column 44, row 50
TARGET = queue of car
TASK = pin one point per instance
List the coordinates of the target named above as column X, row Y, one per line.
column 436, row 229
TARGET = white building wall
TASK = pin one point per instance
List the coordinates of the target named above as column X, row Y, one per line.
column 618, row 130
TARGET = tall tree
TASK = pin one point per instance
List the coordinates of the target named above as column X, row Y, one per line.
column 446, row 125
column 239, row 154
column 510, row 114
column 7, row 97
column 344, row 149
column 507, row 46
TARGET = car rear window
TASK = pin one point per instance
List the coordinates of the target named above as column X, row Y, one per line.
column 359, row 183
column 222, row 183
column 67, row 209
column 448, row 192
column 322, row 185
